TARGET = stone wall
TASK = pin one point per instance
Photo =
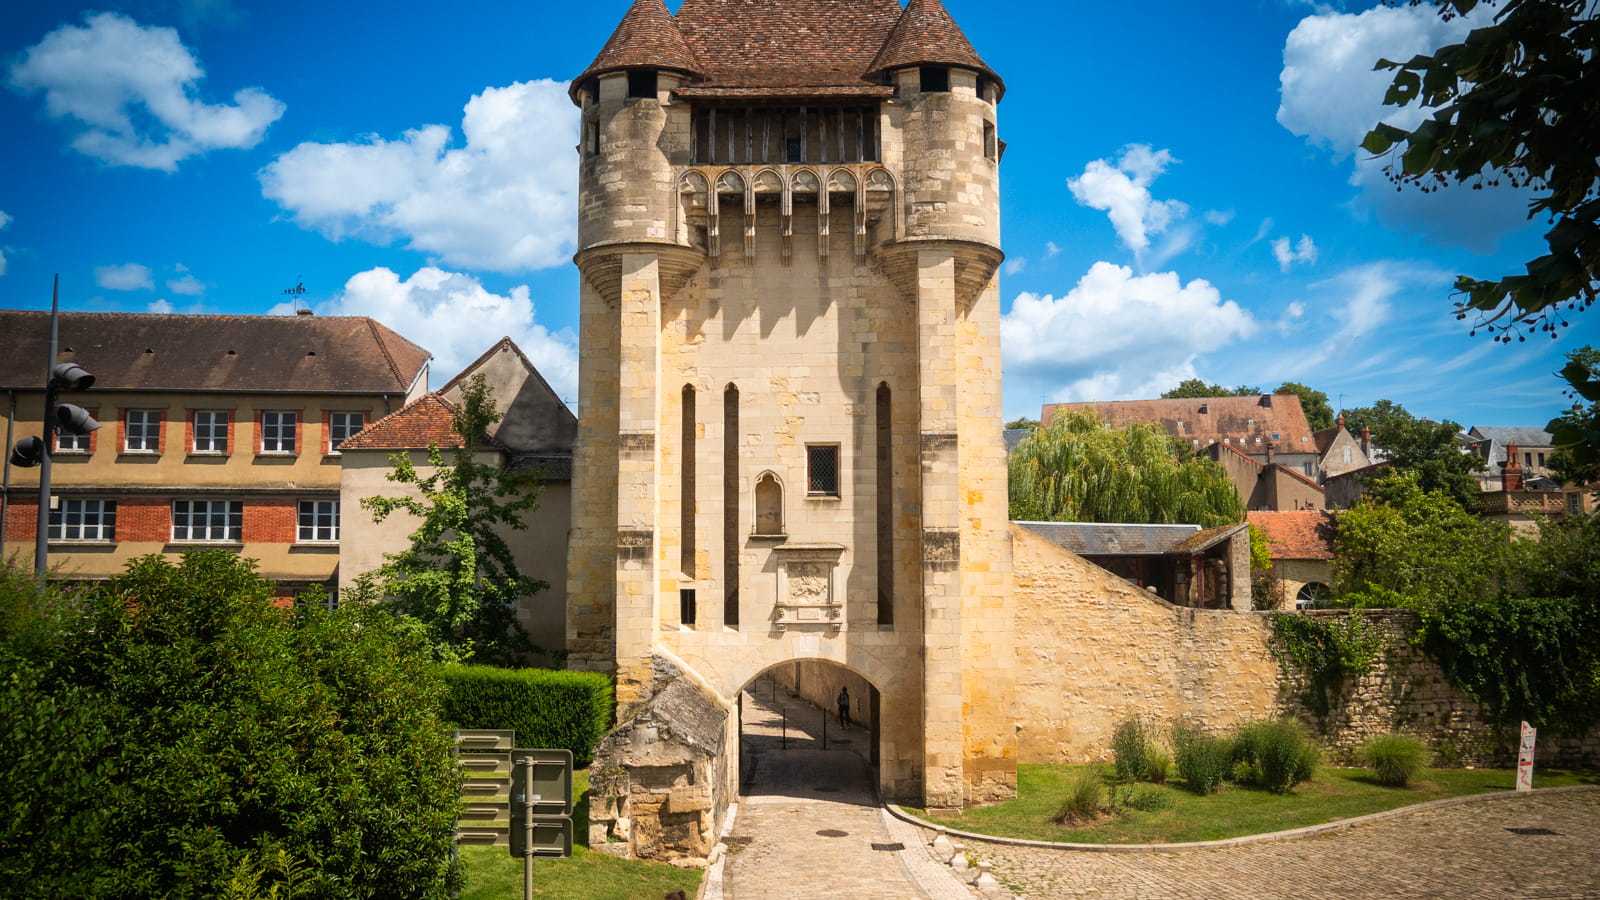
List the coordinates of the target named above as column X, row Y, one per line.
column 1093, row 650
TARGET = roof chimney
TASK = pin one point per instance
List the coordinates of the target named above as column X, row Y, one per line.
column 1266, row 400
column 1204, row 408
column 1271, row 448
column 1366, row 441
column 1511, row 479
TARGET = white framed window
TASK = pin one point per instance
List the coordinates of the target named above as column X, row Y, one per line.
column 822, row 470
column 210, row 432
column 141, row 431
column 1306, row 467
column 80, row 519
column 278, row 432
column 207, row 520
column 319, row 521
column 342, row 426
column 71, row 443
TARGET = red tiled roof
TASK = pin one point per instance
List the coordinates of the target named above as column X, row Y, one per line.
column 143, row 351
column 927, row 34
column 647, row 37
column 780, row 48
column 427, row 421
column 1233, row 420
column 1302, row 534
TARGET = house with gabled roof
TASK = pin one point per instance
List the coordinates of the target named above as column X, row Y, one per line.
column 535, row 432
column 1301, row 546
column 216, row 431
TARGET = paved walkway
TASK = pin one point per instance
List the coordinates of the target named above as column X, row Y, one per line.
column 809, row 826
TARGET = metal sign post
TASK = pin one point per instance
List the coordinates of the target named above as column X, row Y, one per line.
column 541, row 808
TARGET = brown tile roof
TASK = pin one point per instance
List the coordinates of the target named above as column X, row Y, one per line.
column 1201, row 541
column 927, row 34
column 782, row 48
column 1234, row 421
column 138, row 351
column 429, row 420
column 1302, row 534
column 647, row 37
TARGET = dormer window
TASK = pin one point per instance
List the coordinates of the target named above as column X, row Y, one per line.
column 935, row 79
column 642, row 84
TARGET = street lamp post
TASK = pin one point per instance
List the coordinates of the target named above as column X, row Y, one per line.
column 35, row 451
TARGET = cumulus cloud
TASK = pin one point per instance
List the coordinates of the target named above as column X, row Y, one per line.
column 131, row 92
column 1287, row 253
column 1016, row 264
column 1331, row 96
column 187, row 285
column 160, row 307
column 456, row 318
column 126, row 277
column 1122, row 191
column 503, row 201
column 1117, row 335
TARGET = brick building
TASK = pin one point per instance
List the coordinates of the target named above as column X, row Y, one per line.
column 215, row 431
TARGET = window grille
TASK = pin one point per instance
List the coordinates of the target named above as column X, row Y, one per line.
column 822, row 470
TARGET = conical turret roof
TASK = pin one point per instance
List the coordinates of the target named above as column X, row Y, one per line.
column 646, row 38
column 926, row 34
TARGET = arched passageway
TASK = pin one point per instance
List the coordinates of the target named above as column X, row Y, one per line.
column 793, row 742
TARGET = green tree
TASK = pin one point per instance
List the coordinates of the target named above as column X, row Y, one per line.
column 1196, row 388
column 1319, row 414
column 1404, row 545
column 1516, row 100
column 204, row 742
column 1078, row 469
column 458, row 578
column 1421, row 447
column 1576, row 432
column 1024, row 423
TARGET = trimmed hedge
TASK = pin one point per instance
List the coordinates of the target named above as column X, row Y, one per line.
column 548, row 709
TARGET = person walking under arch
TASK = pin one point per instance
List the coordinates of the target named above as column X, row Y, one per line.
column 844, row 707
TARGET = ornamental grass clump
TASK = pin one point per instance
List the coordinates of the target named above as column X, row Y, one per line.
column 1085, row 797
column 1276, row 754
column 1204, row 761
column 1130, row 746
column 1395, row 759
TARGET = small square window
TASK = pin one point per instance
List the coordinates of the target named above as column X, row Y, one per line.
column 342, row 426
column 278, row 432
column 935, row 79
column 142, row 431
column 319, row 521
column 822, row 470
column 211, row 432
column 71, row 443
column 642, row 84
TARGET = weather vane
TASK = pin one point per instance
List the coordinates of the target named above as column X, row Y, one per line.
column 295, row 292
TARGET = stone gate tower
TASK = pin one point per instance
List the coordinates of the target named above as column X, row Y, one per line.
column 790, row 427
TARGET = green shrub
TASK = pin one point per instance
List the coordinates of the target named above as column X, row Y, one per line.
column 252, row 749
column 1142, row 797
column 1395, row 759
column 548, row 709
column 1130, row 746
column 1204, row 761
column 1085, row 797
column 1276, row 754
column 1157, row 763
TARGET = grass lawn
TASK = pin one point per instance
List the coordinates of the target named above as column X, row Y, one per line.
column 493, row 875
column 1332, row 795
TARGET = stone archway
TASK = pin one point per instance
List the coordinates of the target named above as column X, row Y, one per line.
column 788, row 715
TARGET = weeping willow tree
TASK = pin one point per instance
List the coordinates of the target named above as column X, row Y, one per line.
column 1078, row 469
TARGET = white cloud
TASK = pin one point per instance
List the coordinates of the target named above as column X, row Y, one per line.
column 456, row 318
column 1218, row 216
column 1331, row 96
column 1117, row 335
column 1050, row 249
column 4, row 221
column 160, row 307
column 188, row 285
column 505, row 201
column 126, row 277
column 1122, row 190
column 132, row 91
column 1288, row 253
column 1016, row 264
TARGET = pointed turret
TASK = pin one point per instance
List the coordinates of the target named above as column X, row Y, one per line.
column 927, row 35
column 646, row 38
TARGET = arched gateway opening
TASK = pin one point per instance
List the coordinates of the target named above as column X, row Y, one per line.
column 793, row 739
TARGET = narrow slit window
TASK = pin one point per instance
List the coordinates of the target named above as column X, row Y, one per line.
column 686, row 606
column 686, row 496
column 730, row 507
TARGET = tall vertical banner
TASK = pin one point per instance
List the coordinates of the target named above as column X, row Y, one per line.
column 1525, row 758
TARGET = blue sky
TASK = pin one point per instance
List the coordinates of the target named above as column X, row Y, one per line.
column 1182, row 193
